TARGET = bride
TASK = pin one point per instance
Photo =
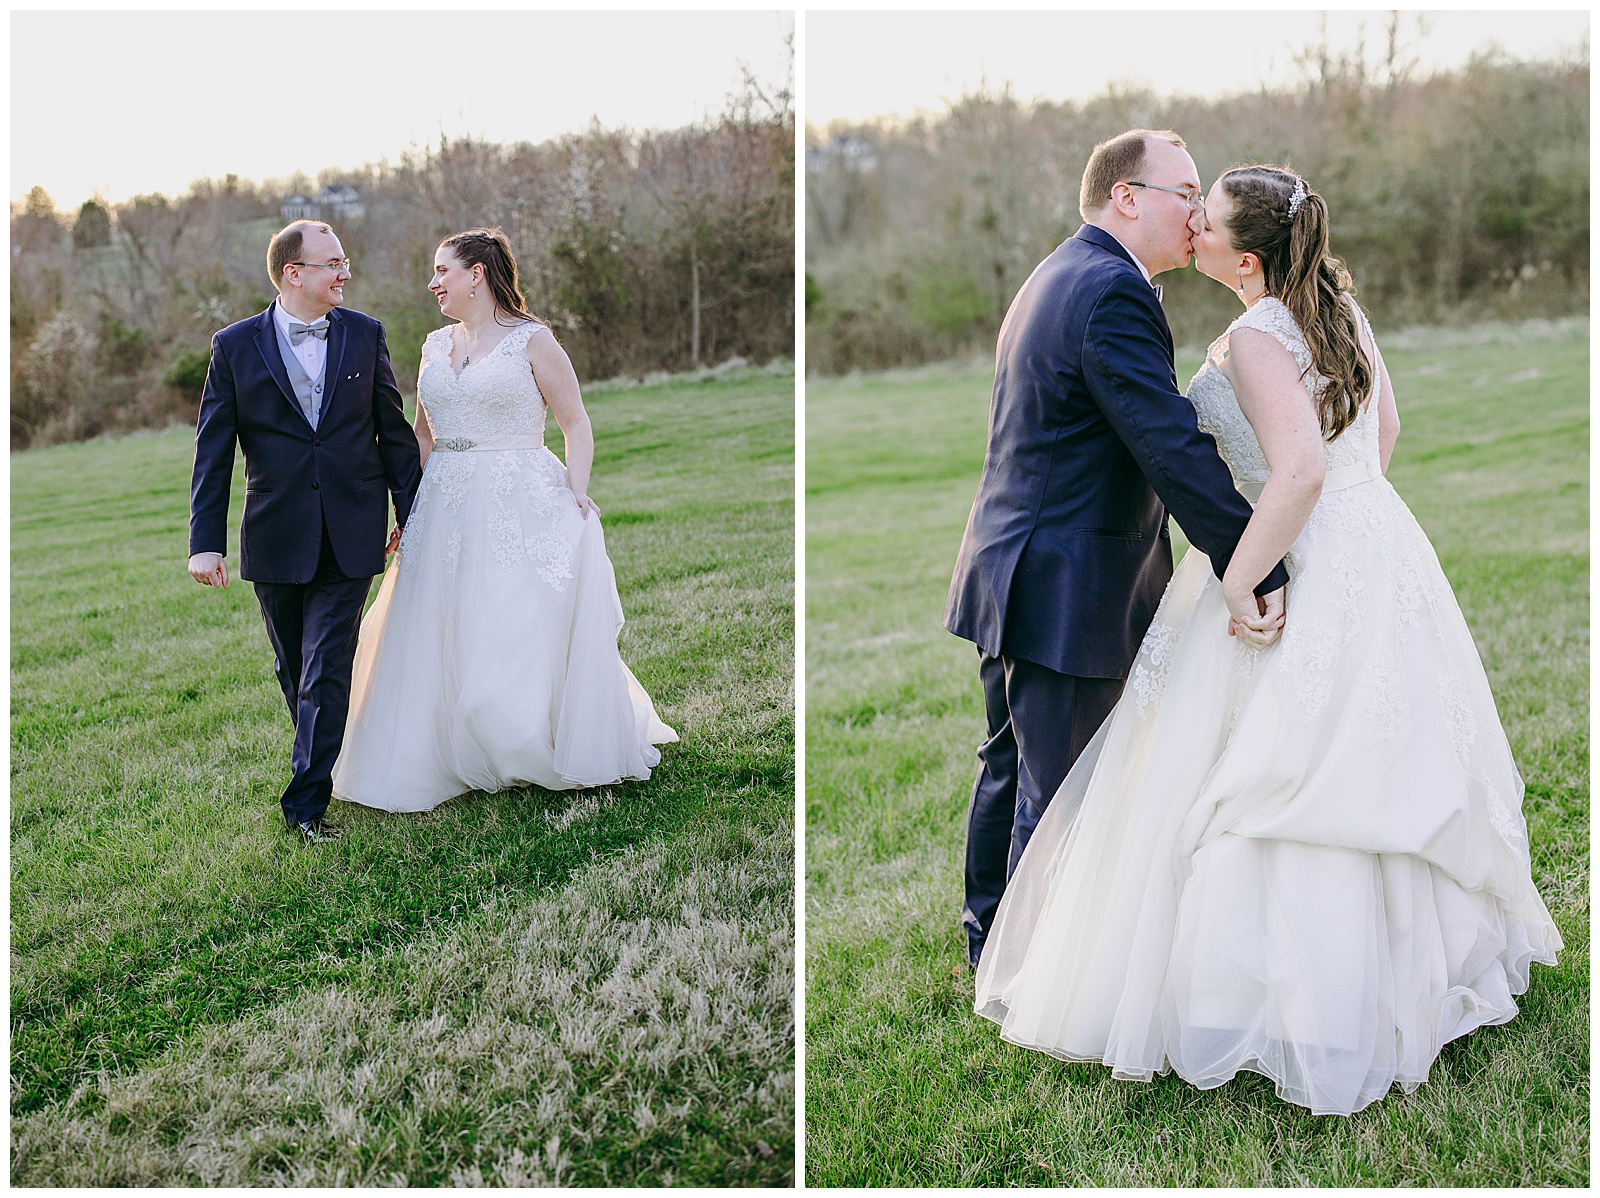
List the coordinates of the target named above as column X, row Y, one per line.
column 489, row 658
column 1308, row 860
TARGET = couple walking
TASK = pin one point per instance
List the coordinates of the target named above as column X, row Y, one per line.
column 1294, row 844
column 489, row 658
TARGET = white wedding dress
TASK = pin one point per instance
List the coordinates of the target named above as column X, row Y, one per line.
column 1308, row 861
column 489, row 659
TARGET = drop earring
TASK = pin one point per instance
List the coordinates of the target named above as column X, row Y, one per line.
column 473, row 294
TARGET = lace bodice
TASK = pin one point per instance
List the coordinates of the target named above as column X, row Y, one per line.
column 1217, row 407
column 496, row 395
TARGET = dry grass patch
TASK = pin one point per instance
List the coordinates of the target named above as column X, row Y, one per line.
column 641, row 1013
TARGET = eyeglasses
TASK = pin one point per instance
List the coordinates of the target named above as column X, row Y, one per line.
column 1195, row 199
column 337, row 264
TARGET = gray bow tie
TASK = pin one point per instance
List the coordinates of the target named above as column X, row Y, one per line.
column 299, row 332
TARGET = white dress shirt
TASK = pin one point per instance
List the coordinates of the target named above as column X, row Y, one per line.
column 312, row 352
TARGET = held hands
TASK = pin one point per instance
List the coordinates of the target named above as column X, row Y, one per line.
column 211, row 569
column 1256, row 620
column 208, row 569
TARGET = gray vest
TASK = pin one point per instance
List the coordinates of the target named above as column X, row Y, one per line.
column 307, row 390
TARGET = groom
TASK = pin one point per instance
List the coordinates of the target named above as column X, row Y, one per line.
column 305, row 390
column 1066, row 552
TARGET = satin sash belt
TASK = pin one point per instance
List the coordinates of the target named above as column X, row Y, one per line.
column 1339, row 479
column 466, row 444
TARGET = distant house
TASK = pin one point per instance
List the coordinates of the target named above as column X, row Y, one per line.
column 340, row 202
column 297, row 207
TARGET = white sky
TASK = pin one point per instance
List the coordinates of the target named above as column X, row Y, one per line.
column 130, row 102
column 866, row 64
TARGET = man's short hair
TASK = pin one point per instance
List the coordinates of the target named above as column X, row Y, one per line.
column 1122, row 157
column 285, row 246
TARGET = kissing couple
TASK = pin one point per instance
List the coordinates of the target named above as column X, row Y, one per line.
column 1294, row 845
column 489, row 658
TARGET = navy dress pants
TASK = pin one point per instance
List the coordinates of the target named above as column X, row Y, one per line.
column 1039, row 721
column 313, row 627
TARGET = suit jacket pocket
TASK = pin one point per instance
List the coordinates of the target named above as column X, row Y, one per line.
column 1122, row 533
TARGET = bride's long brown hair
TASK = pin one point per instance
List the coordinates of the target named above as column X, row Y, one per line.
column 1298, row 269
column 491, row 249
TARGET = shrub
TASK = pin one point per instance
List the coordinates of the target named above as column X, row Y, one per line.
column 122, row 350
column 93, row 226
column 186, row 372
column 59, row 376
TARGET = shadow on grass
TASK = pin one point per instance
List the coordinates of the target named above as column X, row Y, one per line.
column 393, row 878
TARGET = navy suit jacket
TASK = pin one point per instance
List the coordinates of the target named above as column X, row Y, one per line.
column 1066, row 552
column 343, row 472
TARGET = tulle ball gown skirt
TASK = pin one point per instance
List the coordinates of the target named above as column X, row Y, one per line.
column 1307, row 861
column 489, row 658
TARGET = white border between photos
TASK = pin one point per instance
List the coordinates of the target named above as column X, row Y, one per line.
column 799, row 601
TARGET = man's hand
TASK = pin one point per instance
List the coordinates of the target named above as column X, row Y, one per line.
column 394, row 541
column 208, row 569
column 1272, row 608
column 1255, row 620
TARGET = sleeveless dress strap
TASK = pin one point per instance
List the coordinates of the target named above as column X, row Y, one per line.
column 1270, row 316
column 519, row 336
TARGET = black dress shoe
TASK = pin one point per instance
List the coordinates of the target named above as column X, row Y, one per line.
column 314, row 831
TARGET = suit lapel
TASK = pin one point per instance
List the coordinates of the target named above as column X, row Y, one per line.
column 267, row 343
column 330, row 370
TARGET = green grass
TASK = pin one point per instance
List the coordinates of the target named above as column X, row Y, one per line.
column 904, row 1084
column 525, row 988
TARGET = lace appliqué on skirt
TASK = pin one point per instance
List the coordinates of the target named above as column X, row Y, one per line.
column 1310, row 651
column 549, row 552
column 1508, row 825
column 1374, row 511
column 444, row 480
column 1463, row 725
column 1149, row 680
column 1381, row 698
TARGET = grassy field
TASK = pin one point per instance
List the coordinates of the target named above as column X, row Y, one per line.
column 526, row 988
column 904, row 1084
